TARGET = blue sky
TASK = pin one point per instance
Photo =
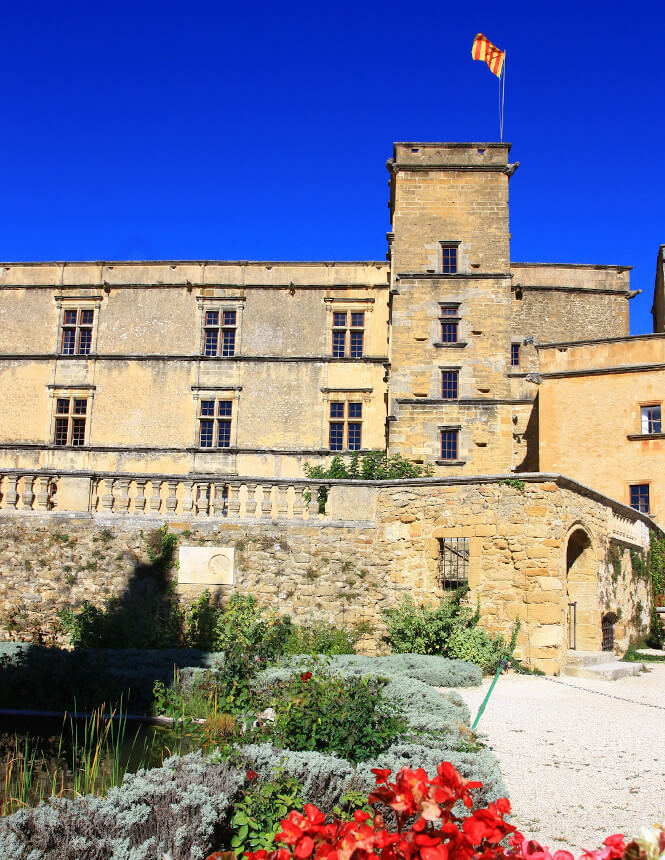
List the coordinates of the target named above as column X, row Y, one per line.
column 218, row 130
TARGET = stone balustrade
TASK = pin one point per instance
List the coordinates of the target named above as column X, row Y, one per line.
column 205, row 498
column 633, row 532
column 20, row 491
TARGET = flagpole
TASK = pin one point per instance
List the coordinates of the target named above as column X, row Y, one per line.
column 502, row 90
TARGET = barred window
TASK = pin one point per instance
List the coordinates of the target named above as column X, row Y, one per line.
column 453, row 562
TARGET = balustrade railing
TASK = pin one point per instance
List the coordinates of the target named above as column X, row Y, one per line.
column 27, row 492
column 629, row 531
column 205, row 498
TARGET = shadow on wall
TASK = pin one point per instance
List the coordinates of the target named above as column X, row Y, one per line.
column 119, row 651
column 531, row 461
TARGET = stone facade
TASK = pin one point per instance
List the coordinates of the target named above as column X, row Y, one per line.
column 532, row 549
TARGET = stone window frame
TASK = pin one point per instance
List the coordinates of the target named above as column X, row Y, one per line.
column 449, row 263
column 70, row 393
column 345, row 396
column 348, row 306
column 458, row 461
column 450, row 381
column 77, row 303
column 216, row 394
column 637, row 485
column 652, row 404
column 220, row 305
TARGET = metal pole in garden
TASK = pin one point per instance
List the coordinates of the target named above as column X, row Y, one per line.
column 503, row 662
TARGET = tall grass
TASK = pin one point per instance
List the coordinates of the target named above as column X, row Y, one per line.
column 92, row 757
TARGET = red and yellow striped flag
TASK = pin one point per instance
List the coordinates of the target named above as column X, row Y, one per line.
column 483, row 49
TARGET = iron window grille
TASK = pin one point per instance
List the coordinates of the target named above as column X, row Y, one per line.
column 453, row 563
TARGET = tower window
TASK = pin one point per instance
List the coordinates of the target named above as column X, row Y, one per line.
column 515, row 355
column 448, row 259
column 449, row 384
column 449, row 444
column 651, row 419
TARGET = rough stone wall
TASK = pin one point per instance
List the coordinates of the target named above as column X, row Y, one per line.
column 347, row 572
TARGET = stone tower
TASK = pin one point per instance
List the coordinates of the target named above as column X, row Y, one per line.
column 450, row 348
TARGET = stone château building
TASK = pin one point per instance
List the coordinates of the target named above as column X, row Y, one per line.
column 176, row 388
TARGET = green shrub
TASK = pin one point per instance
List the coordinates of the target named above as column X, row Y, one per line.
column 449, row 629
column 325, row 712
column 258, row 815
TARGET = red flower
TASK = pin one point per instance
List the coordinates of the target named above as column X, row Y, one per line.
column 305, row 677
column 251, row 775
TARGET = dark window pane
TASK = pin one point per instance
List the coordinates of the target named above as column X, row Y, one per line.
column 225, row 407
column 229, row 317
column 70, row 318
column 356, row 344
column 651, row 419
column 449, row 384
column 355, row 410
column 61, row 425
column 85, row 341
column 228, row 342
column 224, row 434
column 354, row 437
column 80, row 407
column 212, row 317
column 448, row 332
column 210, row 347
column 207, row 407
column 62, row 406
column 78, row 432
column 515, row 355
column 337, row 410
column 639, row 497
column 358, row 320
column 68, row 341
column 449, row 444
column 339, row 319
column 338, row 344
column 336, row 437
column 448, row 311
column 449, row 260
column 87, row 317
column 205, row 439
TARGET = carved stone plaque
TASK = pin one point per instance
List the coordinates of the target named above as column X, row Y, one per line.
column 206, row 565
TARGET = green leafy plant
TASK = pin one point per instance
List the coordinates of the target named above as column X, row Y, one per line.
column 515, row 483
column 347, row 715
column 449, row 629
column 259, row 813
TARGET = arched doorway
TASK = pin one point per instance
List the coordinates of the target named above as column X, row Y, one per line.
column 584, row 632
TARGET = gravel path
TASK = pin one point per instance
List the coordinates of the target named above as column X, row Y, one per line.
column 578, row 765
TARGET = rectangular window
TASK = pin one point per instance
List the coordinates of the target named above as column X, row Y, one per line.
column 70, row 421
column 448, row 332
column 651, row 419
column 449, row 384
column 514, row 355
column 213, row 413
column 449, row 259
column 348, row 335
column 449, row 440
column 453, row 562
column 639, row 497
column 77, row 331
column 345, row 434
column 449, row 322
column 219, row 333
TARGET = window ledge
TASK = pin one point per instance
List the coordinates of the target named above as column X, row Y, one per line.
column 458, row 344
column 638, row 437
column 450, row 462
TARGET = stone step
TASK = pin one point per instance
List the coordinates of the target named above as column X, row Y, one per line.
column 612, row 670
column 587, row 658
